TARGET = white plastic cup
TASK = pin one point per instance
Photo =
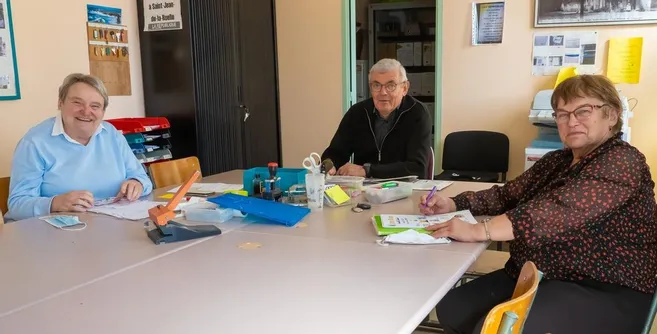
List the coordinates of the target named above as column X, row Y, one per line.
column 315, row 190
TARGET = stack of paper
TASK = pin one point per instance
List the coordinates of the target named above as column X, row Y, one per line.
column 123, row 209
column 428, row 185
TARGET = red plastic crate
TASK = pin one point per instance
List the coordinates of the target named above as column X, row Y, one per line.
column 139, row 124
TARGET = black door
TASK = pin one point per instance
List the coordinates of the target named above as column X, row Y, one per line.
column 258, row 91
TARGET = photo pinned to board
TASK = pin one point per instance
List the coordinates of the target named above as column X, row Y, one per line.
column 4, row 82
column 553, row 51
column 103, row 14
column 3, row 25
column 3, row 47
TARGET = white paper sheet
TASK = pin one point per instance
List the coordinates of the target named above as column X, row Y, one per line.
column 210, row 187
column 419, row 221
column 428, row 185
column 136, row 210
column 413, row 237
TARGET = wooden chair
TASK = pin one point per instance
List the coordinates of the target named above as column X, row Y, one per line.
column 509, row 317
column 4, row 196
column 173, row 172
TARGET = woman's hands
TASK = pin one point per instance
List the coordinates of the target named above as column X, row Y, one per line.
column 458, row 229
column 455, row 228
column 78, row 201
column 130, row 190
column 437, row 205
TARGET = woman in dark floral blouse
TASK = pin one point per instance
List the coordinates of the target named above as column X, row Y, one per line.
column 585, row 215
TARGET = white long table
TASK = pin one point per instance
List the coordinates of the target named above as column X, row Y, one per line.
column 328, row 277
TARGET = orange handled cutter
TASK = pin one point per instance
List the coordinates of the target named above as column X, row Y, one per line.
column 167, row 230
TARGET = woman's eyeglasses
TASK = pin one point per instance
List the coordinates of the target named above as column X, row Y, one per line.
column 582, row 113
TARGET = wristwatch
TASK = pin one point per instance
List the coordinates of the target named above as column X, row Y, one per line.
column 367, row 166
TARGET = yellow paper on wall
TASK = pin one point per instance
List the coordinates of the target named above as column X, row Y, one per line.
column 337, row 195
column 624, row 61
column 565, row 73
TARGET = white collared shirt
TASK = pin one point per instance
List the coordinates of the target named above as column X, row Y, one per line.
column 58, row 129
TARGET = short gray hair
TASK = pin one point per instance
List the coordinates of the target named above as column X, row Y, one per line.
column 90, row 80
column 388, row 65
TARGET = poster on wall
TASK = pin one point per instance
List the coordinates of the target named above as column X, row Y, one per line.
column 552, row 13
column 555, row 50
column 9, row 87
column 103, row 14
column 162, row 15
column 487, row 23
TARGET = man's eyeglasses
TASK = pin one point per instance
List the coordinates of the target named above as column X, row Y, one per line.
column 390, row 86
column 581, row 114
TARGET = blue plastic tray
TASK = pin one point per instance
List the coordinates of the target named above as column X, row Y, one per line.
column 288, row 215
column 289, row 177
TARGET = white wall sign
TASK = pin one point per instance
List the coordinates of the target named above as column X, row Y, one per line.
column 162, row 15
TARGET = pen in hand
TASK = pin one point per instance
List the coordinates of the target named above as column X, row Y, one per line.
column 433, row 192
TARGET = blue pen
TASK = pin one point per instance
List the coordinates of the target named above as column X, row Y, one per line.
column 433, row 191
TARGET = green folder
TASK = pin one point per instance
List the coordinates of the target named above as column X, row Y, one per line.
column 381, row 231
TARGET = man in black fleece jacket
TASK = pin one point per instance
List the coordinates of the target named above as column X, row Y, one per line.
column 389, row 134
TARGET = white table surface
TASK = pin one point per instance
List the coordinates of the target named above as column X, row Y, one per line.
column 112, row 277
column 38, row 261
column 288, row 285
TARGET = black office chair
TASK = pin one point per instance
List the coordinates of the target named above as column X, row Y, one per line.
column 479, row 156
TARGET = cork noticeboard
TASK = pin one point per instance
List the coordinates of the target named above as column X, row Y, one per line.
column 109, row 56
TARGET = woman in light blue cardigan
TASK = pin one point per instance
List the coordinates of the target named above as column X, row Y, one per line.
column 67, row 161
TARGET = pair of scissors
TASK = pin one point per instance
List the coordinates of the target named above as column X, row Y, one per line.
column 312, row 164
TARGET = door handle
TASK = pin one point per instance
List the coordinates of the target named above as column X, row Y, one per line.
column 246, row 112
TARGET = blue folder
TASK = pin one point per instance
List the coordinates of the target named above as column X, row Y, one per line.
column 288, row 215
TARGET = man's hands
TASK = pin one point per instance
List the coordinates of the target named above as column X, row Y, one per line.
column 130, row 190
column 78, row 200
column 349, row 169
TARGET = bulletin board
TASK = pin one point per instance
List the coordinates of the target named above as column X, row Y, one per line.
column 9, row 86
column 109, row 56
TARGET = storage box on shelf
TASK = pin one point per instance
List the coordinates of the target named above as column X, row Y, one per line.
column 148, row 137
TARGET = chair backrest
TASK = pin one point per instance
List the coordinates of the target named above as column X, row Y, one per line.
column 509, row 317
column 173, row 172
column 476, row 151
column 4, row 194
column 430, row 168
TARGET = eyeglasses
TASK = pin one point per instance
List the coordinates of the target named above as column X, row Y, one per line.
column 581, row 114
column 390, row 86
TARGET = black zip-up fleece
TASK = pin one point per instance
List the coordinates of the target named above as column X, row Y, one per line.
column 405, row 149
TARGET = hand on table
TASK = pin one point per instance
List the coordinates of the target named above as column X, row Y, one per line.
column 350, row 169
column 130, row 190
column 437, row 205
column 459, row 230
column 78, row 201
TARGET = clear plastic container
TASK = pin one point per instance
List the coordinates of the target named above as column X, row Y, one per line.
column 388, row 191
column 207, row 212
column 352, row 185
column 212, row 216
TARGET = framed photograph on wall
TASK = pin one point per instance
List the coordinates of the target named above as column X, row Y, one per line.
column 555, row 13
column 9, row 86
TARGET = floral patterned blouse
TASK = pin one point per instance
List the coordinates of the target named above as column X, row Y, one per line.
column 593, row 221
